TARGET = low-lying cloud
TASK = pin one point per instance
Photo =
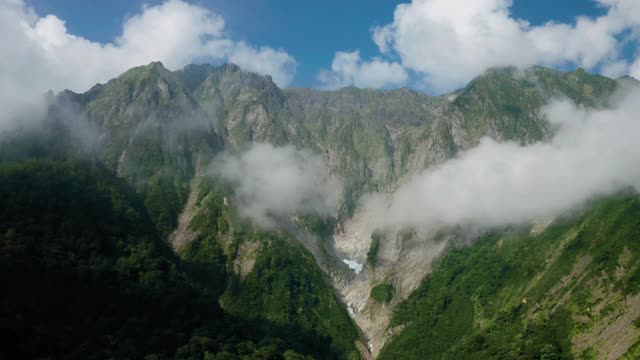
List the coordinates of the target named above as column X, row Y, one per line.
column 272, row 183
column 593, row 154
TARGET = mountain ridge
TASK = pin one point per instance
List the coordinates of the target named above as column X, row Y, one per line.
column 159, row 130
column 375, row 139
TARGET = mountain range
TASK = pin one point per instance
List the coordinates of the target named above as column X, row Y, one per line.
column 119, row 241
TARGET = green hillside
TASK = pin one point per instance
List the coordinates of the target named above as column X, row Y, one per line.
column 86, row 276
column 571, row 291
column 272, row 279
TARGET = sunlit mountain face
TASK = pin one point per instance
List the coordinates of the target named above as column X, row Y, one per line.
column 192, row 181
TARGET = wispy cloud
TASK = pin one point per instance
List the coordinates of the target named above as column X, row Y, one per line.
column 272, row 183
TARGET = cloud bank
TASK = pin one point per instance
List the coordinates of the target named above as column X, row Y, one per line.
column 448, row 42
column 272, row 183
column 593, row 154
column 39, row 53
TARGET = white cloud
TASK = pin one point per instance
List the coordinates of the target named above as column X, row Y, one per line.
column 615, row 69
column 174, row 32
column 451, row 41
column 349, row 69
column 38, row 53
column 265, row 60
column 275, row 182
column 593, row 154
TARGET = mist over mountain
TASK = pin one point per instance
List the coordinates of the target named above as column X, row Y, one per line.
column 495, row 220
column 591, row 154
column 278, row 182
column 229, row 180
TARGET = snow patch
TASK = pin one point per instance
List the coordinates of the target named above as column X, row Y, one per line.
column 353, row 265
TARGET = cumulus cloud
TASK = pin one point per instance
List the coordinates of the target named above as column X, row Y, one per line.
column 39, row 53
column 349, row 69
column 275, row 182
column 593, row 154
column 449, row 42
column 265, row 60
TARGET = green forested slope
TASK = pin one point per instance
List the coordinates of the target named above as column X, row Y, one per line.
column 84, row 271
column 570, row 292
column 86, row 276
column 287, row 288
column 272, row 280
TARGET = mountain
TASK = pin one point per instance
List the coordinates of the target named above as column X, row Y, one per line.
column 511, row 292
column 568, row 290
column 158, row 135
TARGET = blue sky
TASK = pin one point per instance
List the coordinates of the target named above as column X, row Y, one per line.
column 330, row 43
column 310, row 31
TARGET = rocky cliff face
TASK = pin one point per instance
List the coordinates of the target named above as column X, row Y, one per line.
column 164, row 127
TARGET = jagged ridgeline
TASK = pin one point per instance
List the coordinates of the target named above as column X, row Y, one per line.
column 116, row 243
column 161, row 128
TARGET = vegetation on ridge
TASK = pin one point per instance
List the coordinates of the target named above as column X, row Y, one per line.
column 515, row 295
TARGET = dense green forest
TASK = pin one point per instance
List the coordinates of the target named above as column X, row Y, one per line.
column 284, row 286
column 88, row 276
